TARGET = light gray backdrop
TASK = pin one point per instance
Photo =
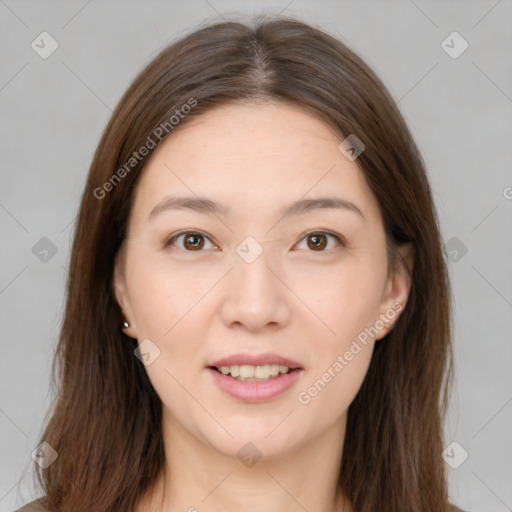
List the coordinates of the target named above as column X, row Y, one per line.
column 457, row 101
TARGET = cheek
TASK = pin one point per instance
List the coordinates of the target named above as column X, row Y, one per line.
column 347, row 303
column 328, row 394
column 168, row 310
column 163, row 297
column 345, row 297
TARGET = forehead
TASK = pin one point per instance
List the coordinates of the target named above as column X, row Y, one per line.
column 252, row 158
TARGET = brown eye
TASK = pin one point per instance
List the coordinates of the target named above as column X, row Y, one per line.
column 192, row 241
column 318, row 241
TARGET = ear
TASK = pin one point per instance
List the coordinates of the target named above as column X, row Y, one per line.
column 121, row 295
column 397, row 290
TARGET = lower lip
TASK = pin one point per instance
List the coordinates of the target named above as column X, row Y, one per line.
column 255, row 392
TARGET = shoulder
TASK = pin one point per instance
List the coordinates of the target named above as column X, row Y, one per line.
column 34, row 506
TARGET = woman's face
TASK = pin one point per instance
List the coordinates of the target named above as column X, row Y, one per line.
column 260, row 276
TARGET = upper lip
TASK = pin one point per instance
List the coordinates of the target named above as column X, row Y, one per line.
column 256, row 360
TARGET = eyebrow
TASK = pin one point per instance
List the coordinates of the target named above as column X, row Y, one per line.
column 205, row 205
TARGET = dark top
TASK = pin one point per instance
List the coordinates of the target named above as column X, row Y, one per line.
column 36, row 506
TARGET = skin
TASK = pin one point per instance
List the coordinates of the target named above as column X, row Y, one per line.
column 294, row 300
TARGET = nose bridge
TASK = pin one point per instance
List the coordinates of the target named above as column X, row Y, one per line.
column 255, row 296
column 251, row 266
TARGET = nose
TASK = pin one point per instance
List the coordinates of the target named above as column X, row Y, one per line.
column 255, row 295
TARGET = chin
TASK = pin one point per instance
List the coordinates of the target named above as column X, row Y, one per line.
column 269, row 439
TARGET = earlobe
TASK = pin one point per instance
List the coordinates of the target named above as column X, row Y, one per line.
column 397, row 289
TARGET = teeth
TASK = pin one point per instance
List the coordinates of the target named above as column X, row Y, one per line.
column 274, row 370
column 250, row 373
column 246, row 371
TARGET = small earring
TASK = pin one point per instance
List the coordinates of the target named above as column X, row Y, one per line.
column 126, row 325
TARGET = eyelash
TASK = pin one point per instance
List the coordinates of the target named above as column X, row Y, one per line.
column 338, row 238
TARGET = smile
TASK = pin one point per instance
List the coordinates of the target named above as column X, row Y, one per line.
column 255, row 389
column 249, row 373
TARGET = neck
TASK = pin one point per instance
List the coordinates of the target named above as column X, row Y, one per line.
column 200, row 478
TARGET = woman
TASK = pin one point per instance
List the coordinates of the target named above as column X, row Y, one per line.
column 258, row 307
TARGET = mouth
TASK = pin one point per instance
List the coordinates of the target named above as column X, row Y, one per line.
column 255, row 378
column 250, row 373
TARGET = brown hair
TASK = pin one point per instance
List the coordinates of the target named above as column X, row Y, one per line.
column 105, row 422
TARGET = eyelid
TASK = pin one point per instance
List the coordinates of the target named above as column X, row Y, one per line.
column 339, row 238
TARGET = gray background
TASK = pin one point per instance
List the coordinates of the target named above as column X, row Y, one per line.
column 459, row 110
